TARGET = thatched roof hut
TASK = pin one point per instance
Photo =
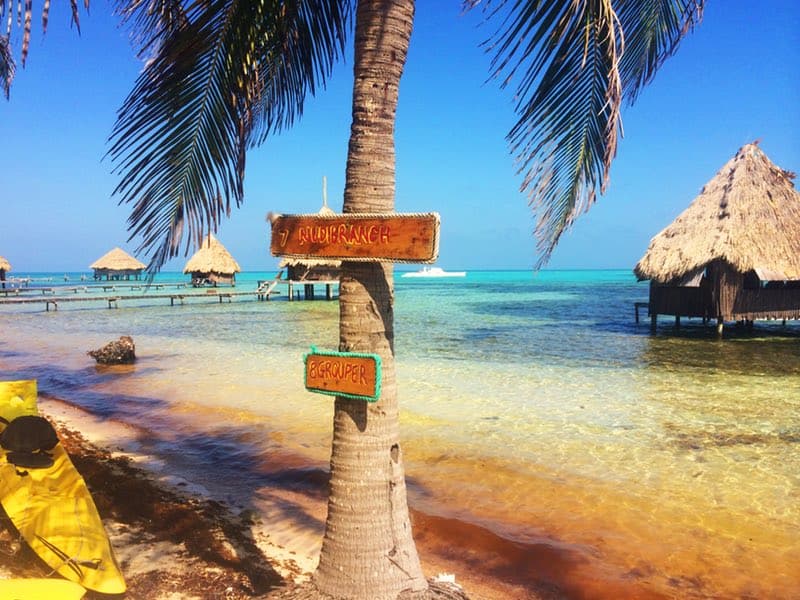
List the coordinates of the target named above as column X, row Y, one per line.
column 117, row 264
column 309, row 270
column 5, row 267
column 306, row 269
column 212, row 263
column 734, row 253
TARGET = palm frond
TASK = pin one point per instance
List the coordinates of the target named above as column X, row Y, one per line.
column 7, row 66
column 573, row 63
column 653, row 31
column 24, row 19
column 223, row 76
column 151, row 22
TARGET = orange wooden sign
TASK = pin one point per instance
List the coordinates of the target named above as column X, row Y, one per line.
column 349, row 374
column 360, row 236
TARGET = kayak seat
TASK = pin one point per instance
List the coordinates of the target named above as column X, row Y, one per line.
column 29, row 440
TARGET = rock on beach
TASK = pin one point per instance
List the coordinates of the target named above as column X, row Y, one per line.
column 119, row 352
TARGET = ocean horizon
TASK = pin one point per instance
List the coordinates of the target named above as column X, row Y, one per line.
column 531, row 405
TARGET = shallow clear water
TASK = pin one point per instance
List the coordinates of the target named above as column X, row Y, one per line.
column 531, row 405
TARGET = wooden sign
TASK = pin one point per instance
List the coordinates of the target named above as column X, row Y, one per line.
column 359, row 236
column 350, row 374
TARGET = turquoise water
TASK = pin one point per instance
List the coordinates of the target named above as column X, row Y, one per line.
column 531, row 405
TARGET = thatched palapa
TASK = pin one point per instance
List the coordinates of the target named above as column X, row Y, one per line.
column 734, row 253
column 309, row 270
column 117, row 264
column 306, row 269
column 212, row 264
column 5, row 267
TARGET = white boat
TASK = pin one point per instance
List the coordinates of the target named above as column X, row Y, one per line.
column 434, row 272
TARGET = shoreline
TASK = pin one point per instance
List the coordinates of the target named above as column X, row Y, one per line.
column 215, row 550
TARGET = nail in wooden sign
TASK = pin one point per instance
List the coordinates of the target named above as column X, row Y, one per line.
column 358, row 236
column 350, row 374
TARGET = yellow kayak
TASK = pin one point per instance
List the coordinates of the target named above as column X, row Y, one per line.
column 40, row 589
column 52, row 508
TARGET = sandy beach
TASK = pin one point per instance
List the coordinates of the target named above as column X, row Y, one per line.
column 173, row 541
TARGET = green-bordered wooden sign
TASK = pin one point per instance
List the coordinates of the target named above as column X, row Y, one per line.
column 353, row 375
column 389, row 237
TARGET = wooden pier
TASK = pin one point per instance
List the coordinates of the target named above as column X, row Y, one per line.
column 112, row 293
column 294, row 294
column 88, row 288
column 114, row 300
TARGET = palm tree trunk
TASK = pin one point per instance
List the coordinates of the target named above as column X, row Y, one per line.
column 368, row 551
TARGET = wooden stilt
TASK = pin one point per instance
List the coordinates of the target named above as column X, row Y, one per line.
column 719, row 325
column 677, row 321
column 653, row 322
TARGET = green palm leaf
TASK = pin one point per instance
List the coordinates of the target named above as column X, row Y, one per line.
column 574, row 63
column 223, row 75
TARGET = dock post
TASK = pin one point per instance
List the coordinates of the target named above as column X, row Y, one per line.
column 720, row 325
column 328, row 291
column 653, row 322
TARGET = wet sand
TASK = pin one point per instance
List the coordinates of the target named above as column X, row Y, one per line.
column 173, row 541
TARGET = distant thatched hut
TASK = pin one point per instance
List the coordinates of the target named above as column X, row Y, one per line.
column 5, row 267
column 311, row 271
column 212, row 263
column 117, row 264
column 300, row 269
column 734, row 253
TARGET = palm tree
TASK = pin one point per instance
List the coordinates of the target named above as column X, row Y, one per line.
column 223, row 75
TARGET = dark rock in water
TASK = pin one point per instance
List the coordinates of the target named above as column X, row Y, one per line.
column 120, row 352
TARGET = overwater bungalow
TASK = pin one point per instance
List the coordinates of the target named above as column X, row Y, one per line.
column 310, row 272
column 117, row 264
column 212, row 264
column 734, row 253
column 5, row 267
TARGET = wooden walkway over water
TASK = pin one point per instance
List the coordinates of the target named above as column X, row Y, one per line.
column 113, row 300
column 111, row 293
column 26, row 291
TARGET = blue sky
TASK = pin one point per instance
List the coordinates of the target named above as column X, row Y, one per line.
column 734, row 80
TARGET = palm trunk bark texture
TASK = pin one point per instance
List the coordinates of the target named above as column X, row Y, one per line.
column 368, row 551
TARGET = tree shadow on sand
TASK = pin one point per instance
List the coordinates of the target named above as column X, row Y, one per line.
column 240, row 471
